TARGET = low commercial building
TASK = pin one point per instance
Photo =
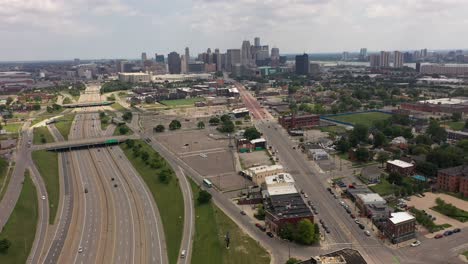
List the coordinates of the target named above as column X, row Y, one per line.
column 454, row 180
column 134, row 77
column 401, row 226
column 441, row 105
column 245, row 145
column 286, row 207
column 317, row 154
column 299, row 121
column 456, row 135
column 401, row 167
column 366, row 200
column 240, row 112
column 258, row 174
column 342, row 256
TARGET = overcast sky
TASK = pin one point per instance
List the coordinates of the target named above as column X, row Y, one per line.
column 65, row 29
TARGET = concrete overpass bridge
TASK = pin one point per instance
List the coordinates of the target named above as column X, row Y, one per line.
column 83, row 143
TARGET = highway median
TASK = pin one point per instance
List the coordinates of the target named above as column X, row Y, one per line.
column 163, row 184
column 47, row 165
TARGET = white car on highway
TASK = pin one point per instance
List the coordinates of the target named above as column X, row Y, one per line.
column 43, row 197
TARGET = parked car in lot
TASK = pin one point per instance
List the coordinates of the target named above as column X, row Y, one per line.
column 456, row 230
column 438, row 236
column 416, row 243
column 448, row 233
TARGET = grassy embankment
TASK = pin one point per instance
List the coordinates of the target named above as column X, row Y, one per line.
column 209, row 246
column 47, row 165
column 168, row 196
column 21, row 226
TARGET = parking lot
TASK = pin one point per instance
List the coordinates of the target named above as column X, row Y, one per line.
column 425, row 203
column 207, row 153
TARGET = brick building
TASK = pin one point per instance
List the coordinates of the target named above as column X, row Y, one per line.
column 454, row 180
column 401, row 167
column 400, row 227
column 299, row 121
column 257, row 174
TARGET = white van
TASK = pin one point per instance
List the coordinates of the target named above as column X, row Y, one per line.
column 182, row 254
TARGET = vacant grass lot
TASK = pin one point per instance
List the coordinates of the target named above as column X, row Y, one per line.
column 362, row 118
column 12, row 127
column 47, row 164
column 168, row 197
column 450, row 210
column 209, row 246
column 385, row 188
column 118, row 107
column 40, row 133
column 456, row 125
column 21, row 226
column 425, row 221
column 182, row 102
column 64, row 124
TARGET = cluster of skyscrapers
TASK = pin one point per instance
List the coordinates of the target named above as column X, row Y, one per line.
column 248, row 57
column 384, row 58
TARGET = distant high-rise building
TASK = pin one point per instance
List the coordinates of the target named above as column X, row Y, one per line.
column 183, row 64
column 345, row 56
column 217, row 60
column 209, row 56
column 257, row 42
column 423, row 53
column 275, row 56
column 159, row 58
column 374, row 60
column 398, row 59
column 407, row 57
column 174, row 63
column 143, row 56
column 384, row 59
column 76, row 61
column 233, row 57
column 187, row 57
column 418, row 67
column 363, row 54
column 302, row 64
column 416, row 55
column 246, row 56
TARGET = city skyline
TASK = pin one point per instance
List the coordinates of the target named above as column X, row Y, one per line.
column 119, row 29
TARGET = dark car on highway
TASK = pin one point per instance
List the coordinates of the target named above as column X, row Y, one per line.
column 270, row 234
column 456, row 230
column 361, row 226
column 448, row 233
column 438, row 236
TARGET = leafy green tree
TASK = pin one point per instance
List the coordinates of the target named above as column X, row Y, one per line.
column 382, row 157
column 227, row 127
column 343, row 145
column 102, row 115
column 5, row 244
column 362, row 154
column 225, row 118
column 396, row 178
column 260, row 214
column 175, row 124
column 252, row 133
column 214, row 121
column 287, row 231
column 436, row 132
column 9, row 100
column 379, row 139
column 201, row 125
column 426, row 168
column 305, row 232
column 293, row 261
column 144, row 156
column 456, row 117
column 423, row 139
column 130, row 143
column 165, row 176
column 36, row 107
column 123, row 130
column 466, row 124
column 203, row 197
column 159, row 128
column 360, row 132
column 445, row 157
column 127, row 116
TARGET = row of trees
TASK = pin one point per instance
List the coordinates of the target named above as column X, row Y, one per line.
column 304, row 232
column 116, row 85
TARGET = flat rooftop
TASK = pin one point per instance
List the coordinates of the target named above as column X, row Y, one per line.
column 446, row 101
column 275, row 190
column 400, row 217
column 279, row 178
column 264, row 168
column 400, row 163
column 288, row 206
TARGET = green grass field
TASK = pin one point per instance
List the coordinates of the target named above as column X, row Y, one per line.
column 182, row 102
column 362, row 118
column 465, row 254
column 47, row 164
column 168, row 197
column 64, row 124
column 4, row 176
column 13, row 127
column 118, row 107
column 211, row 225
column 458, row 126
column 21, row 226
column 42, row 132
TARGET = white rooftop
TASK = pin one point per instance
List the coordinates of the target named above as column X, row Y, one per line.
column 240, row 110
column 281, row 189
column 279, row 178
column 400, row 163
column 258, row 140
column 264, row 168
column 400, row 217
column 371, row 198
column 446, row 101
